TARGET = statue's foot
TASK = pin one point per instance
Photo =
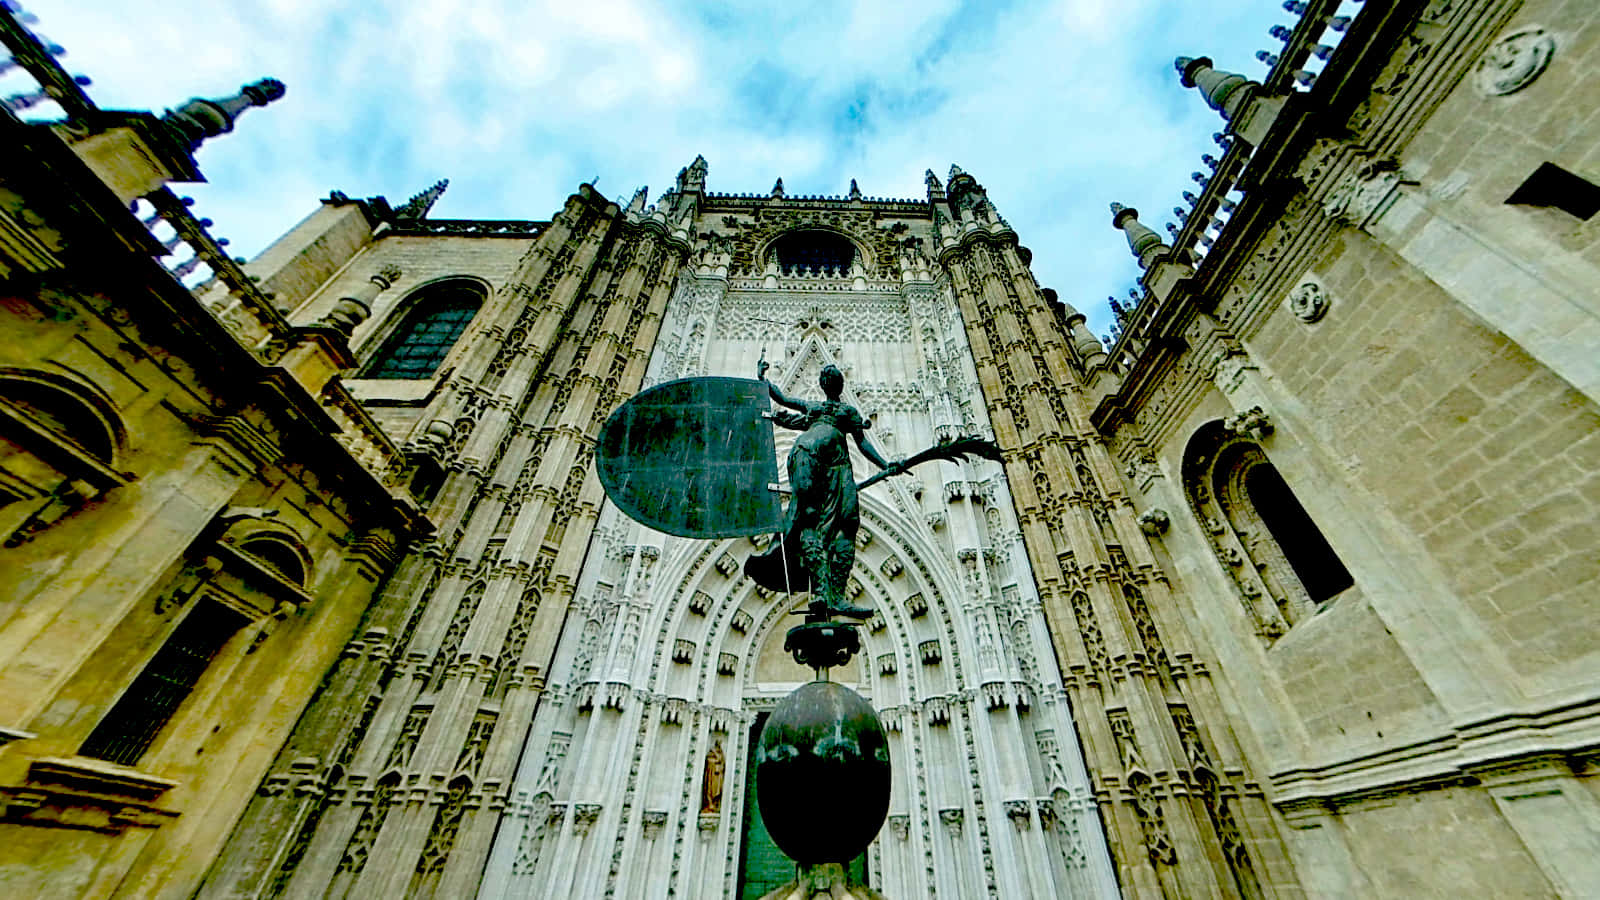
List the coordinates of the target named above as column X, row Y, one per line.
column 841, row 608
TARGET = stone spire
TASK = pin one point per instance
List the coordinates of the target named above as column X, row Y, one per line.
column 693, row 176
column 1145, row 244
column 855, row 191
column 199, row 119
column 417, row 207
column 935, row 189
column 636, row 205
column 1225, row 92
column 954, row 171
column 777, row 189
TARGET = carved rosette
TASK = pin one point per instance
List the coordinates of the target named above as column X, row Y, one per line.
column 1308, row 301
column 1514, row 61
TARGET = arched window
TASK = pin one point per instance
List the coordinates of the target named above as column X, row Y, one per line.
column 814, row 251
column 1265, row 539
column 430, row 328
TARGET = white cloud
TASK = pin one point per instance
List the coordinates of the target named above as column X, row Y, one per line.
column 1057, row 106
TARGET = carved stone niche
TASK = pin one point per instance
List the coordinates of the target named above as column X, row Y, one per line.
column 1309, row 301
column 891, row 567
column 699, row 603
column 1515, row 60
column 741, row 622
column 886, row 664
column 916, row 606
column 727, row 565
column 931, row 654
column 727, row 663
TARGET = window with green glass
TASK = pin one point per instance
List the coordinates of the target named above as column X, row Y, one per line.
column 433, row 325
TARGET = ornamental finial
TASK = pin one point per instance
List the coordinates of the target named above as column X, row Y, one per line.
column 199, row 119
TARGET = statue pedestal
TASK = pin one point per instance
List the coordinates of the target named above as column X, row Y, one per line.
column 826, row 881
column 822, row 644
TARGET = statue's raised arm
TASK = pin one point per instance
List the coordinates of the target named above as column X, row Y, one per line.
column 782, row 398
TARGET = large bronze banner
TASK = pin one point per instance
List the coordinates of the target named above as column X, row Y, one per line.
column 694, row 458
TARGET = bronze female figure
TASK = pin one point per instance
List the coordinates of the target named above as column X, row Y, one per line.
column 818, row 544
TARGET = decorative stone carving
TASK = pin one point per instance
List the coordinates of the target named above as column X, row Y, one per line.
column 900, row 826
column 1363, row 194
column 1514, row 61
column 682, row 651
column 1047, row 813
column 727, row 663
column 1308, row 301
column 741, row 622
column 1154, row 521
column 699, row 602
column 653, row 821
column 1253, row 423
column 584, row 815
column 886, row 664
column 931, row 654
column 1017, row 811
column 916, row 606
column 708, row 824
column 951, row 817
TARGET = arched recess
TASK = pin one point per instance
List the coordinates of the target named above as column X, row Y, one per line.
column 269, row 543
column 66, row 408
column 61, row 443
column 1284, row 567
column 814, row 249
column 422, row 329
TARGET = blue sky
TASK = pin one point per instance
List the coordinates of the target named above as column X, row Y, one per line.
column 1058, row 108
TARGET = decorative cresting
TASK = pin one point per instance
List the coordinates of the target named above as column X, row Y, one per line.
column 401, row 799
column 1180, row 824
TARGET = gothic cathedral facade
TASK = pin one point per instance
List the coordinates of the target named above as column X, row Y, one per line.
column 1286, row 588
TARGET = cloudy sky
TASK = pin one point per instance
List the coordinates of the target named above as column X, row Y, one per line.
column 1058, row 107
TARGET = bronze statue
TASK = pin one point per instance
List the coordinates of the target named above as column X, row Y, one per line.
column 711, row 786
column 818, row 545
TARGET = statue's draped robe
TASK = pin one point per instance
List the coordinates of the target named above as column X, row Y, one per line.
column 823, row 516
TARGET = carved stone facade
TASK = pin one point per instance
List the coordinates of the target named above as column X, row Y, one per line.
column 957, row 658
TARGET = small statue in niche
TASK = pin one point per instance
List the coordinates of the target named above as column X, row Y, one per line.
column 711, row 785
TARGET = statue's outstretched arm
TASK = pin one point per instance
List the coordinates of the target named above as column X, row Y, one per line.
column 871, row 452
column 780, row 396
